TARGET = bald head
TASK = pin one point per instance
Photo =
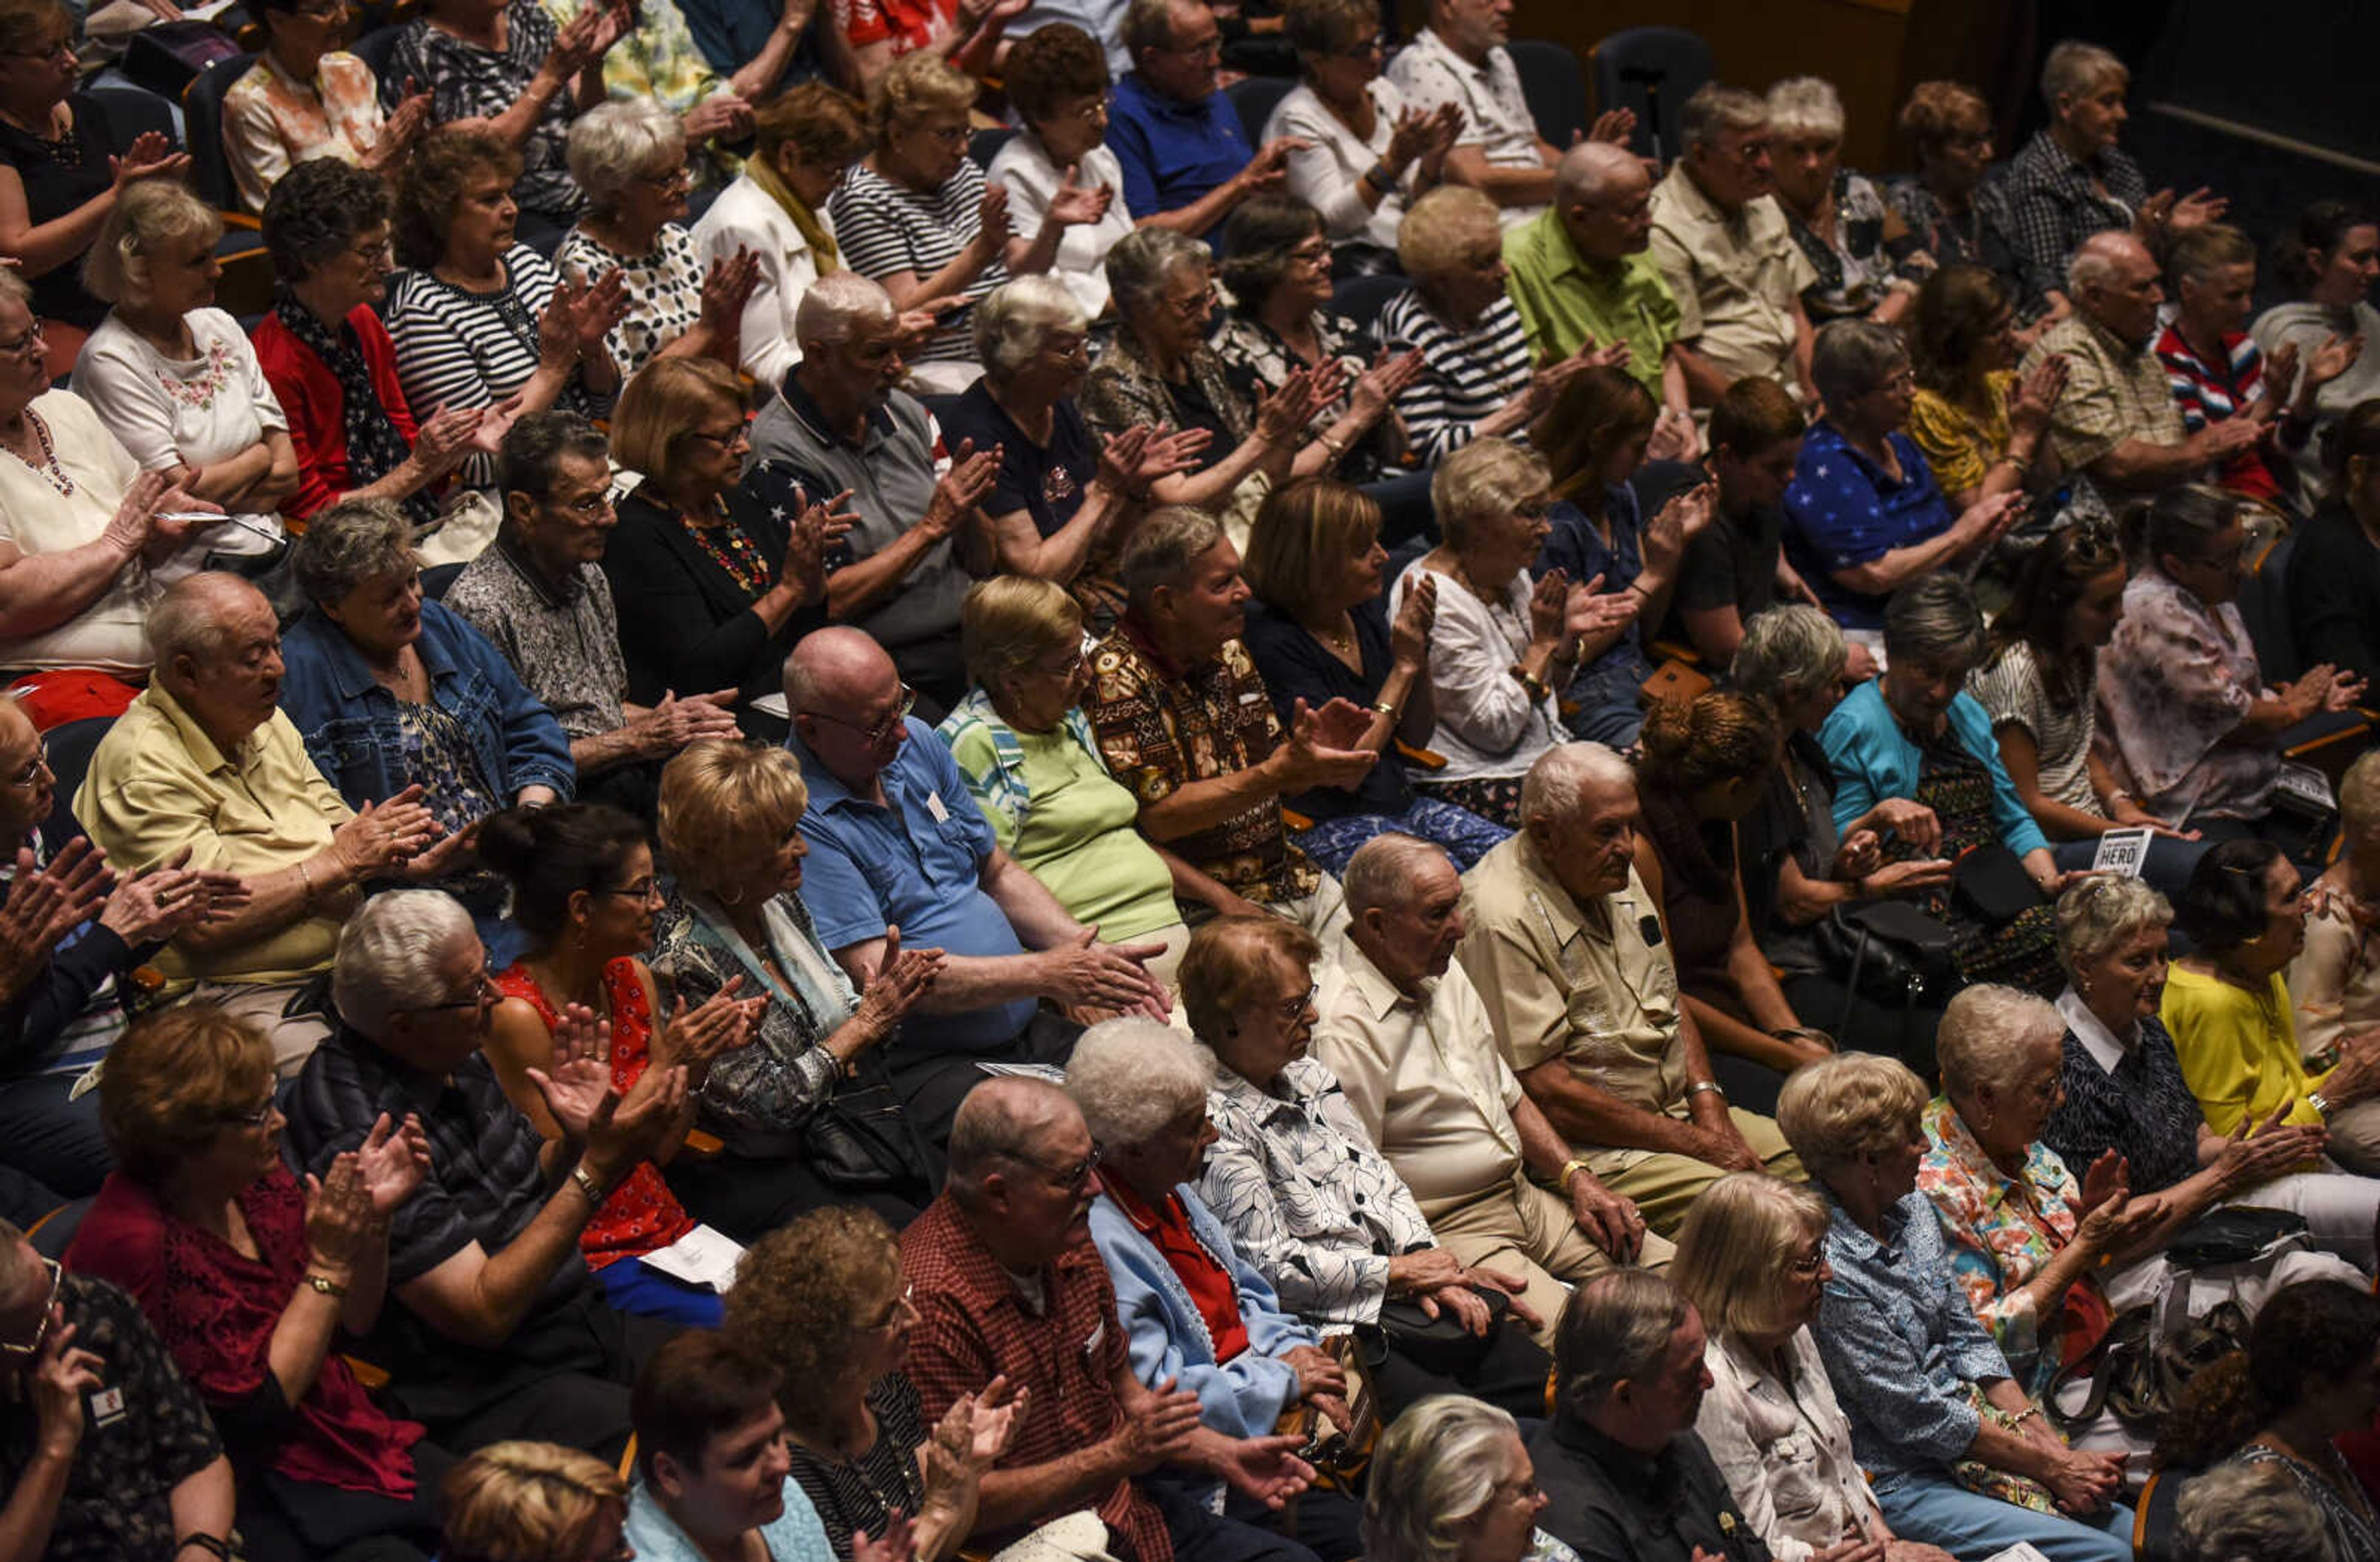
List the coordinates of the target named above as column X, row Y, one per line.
column 2112, row 280
column 196, row 613
column 831, row 668
column 1605, row 198
column 218, row 650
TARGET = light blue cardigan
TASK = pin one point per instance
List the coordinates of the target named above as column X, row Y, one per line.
column 1242, row 1397
column 1872, row 760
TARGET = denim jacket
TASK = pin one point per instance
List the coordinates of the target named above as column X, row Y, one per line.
column 349, row 721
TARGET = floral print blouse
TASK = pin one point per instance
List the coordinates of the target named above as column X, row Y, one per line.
column 465, row 81
column 1258, row 361
column 272, row 122
column 2174, row 684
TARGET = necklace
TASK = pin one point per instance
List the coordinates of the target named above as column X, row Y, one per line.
column 48, row 466
column 726, row 545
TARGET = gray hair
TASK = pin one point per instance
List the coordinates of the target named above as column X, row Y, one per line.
column 390, row 953
column 530, row 457
column 1482, row 478
column 188, row 618
column 1804, row 105
column 1715, row 109
column 996, row 1126
column 1615, row 1325
column 2248, row 1513
column 1148, row 24
column 1587, row 172
column 2096, row 261
column 614, row 142
column 1987, row 1033
column 1554, row 783
column 2074, row 67
column 2103, row 911
column 354, row 542
column 1382, row 872
column 1015, row 318
column 1130, row 1077
column 1163, row 546
column 1934, row 619
column 1788, row 651
column 834, row 306
column 1144, row 259
column 1847, row 1106
column 1435, row 1468
column 1851, row 358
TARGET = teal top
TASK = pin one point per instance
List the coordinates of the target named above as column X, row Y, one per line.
column 795, row 1535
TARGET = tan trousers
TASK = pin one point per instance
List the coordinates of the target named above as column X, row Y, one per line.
column 1666, row 1186
column 1528, row 1231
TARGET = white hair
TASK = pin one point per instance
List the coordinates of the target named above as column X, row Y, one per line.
column 1987, row 1033
column 1552, row 789
column 1804, row 105
column 2249, row 1513
column 1015, row 318
column 391, row 953
column 1437, row 1466
column 1383, row 870
column 1130, row 1077
column 2074, row 67
column 612, row 143
column 836, row 303
column 1789, row 650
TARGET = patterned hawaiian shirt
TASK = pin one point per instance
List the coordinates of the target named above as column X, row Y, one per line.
column 565, row 646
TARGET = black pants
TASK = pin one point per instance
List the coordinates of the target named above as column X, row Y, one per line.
column 1509, row 1372
column 579, row 1398
column 286, row 1521
column 1867, row 1026
column 747, row 1198
column 1315, row 1527
column 931, row 1084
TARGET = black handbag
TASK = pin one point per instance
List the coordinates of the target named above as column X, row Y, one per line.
column 1989, row 882
column 860, row 1140
column 1895, row 954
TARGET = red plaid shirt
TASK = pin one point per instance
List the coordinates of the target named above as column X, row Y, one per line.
column 973, row 1325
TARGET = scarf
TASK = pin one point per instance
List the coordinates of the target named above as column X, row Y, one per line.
column 761, row 172
column 375, row 447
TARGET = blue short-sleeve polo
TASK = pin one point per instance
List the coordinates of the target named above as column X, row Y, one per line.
column 1842, row 510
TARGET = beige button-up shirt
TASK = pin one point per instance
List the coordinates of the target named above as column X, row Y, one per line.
column 1422, row 1077
column 2114, row 392
column 1735, row 277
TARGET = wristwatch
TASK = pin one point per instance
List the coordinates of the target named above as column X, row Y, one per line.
column 1570, row 1170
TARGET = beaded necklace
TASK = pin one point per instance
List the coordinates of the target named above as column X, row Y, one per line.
column 727, row 546
column 48, row 467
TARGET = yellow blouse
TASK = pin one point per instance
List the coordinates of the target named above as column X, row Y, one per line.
column 2239, row 1050
column 1959, row 449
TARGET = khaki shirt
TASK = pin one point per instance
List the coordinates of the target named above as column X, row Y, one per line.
column 1585, row 987
column 2113, row 393
column 1736, row 278
column 157, row 784
column 1422, row 1080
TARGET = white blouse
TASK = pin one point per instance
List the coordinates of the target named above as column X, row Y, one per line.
column 1327, row 174
column 746, row 216
column 172, row 413
column 1488, row 726
column 1785, row 1448
column 111, row 634
column 1024, row 167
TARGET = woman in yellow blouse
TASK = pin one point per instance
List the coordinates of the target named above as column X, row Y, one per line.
column 2227, row 1009
column 1982, row 431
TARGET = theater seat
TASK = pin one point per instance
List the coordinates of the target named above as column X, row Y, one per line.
column 71, row 744
column 202, row 103
column 1551, row 82
column 1652, row 70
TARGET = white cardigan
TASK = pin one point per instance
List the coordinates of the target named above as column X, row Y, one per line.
column 749, row 216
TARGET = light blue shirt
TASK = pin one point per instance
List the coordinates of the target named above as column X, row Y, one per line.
column 1872, row 759
column 794, row 1536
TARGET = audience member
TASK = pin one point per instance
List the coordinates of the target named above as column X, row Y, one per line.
column 2331, row 979
column 2218, row 373
column 1952, row 207
column 838, row 426
column 1186, row 724
column 630, row 158
column 1724, row 248
column 2327, row 261
column 1734, row 568
column 1414, row 1048
column 1623, row 1473
column 497, row 1329
column 897, row 842
column 247, row 1278
column 1982, row 428
column 329, row 363
column 306, row 97
column 1366, row 155
column 2121, row 1088
column 712, row 1472
column 1459, row 58
column 1956, row 1453
column 776, row 211
column 1915, row 733
column 2239, row 1510
column 1058, row 167
column 2182, row 698
column 1450, row 1482
column 1186, row 159
column 1868, row 263
column 2227, row 1003
column 968, row 37
column 521, row 1501
column 824, row 1302
column 108, row 1452
column 1567, row 948
column 804, row 1115
column 713, row 578
column 657, row 62
column 2333, row 580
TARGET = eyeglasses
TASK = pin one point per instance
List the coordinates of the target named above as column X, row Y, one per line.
column 1070, row 1179
column 587, row 508
column 61, row 49
column 949, row 135
column 1293, row 1009
column 483, row 987
column 668, row 178
column 1370, row 48
column 41, row 1329
column 875, row 735
column 905, row 1302
column 27, row 346
column 34, row 767
column 1316, row 253
column 739, row 434
column 1093, row 111
column 1808, row 1268
column 1195, row 305
column 648, row 892
column 256, row 1118
column 1522, row 1494
column 2227, row 561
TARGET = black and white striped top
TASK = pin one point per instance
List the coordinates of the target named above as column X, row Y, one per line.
column 883, row 227
column 457, row 348
column 1465, row 374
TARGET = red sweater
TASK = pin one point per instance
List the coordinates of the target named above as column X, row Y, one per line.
column 317, row 408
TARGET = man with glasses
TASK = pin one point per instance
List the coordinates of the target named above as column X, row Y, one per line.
column 539, row 596
column 1460, row 58
column 1008, row 1284
column 1186, row 159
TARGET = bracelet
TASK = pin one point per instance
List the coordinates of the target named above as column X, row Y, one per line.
column 324, row 1286
column 1700, row 1085
column 1570, row 1169
column 1531, row 684
column 306, row 876
column 2320, row 1103
column 584, row 1180
column 1385, row 709
column 214, row 1545
column 1338, row 451
column 2023, row 1416
column 1379, row 176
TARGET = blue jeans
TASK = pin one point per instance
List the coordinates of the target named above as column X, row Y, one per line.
column 629, row 1287
column 1938, row 1511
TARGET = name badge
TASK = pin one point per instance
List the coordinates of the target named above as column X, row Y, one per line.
column 934, row 806
column 107, row 1407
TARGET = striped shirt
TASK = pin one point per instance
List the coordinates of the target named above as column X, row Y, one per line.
column 1465, row 375
column 883, row 228
column 2209, row 392
column 458, row 349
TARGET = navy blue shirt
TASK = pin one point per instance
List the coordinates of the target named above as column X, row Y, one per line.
column 1297, row 666
column 1172, row 152
column 1046, row 484
column 1842, row 509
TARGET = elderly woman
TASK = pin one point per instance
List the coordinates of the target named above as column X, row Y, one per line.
column 1865, row 515
column 306, row 97
column 1366, row 155
column 1452, row 1482
column 2121, row 1089
column 1867, row 261
column 1317, row 633
column 1958, row 1455
column 328, row 362
column 1277, row 265
column 1980, row 428
column 1951, row 210
column 478, row 319
column 2328, row 262
column 1752, row 1257
column 248, row 1279
column 803, row 1114
column 823, row 1300
column 174, row 377
column 714, row 581
column 630, row 159
column 533, row 1502
column 2227, row 1007
column 2219, row 374
column 776, row 211
column 1066, row 188
column 2182, row 700
column 1501, row 643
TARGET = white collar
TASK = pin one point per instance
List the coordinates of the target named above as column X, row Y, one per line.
column 2105, row 1050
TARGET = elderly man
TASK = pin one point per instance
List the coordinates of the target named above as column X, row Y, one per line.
column 1625, row 1477
column 1186, row 159
column 1185, row 723
column 205, row 770
column 837, row 426
column 497, row 1331
column 106, row 1454
column 2117, row 424
column 1414, row 1050
column 1568, row 949
column 1460, row 58
column 538, row 594
column 898, row 849
column 1005, row 1284
column 1723, row 243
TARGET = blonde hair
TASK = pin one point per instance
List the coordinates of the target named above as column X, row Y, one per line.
column 525, row 1501
column 725, row 805
column 1740, row 1235
column 1484, row 479
column 662, row 405
column 149, row 216
column 174, row 1081
column 1008, row 622
column 1987, row 1032
column 1304, row 529
column 918, row 84
column 1431, row 236
column 2359, row 794
column 1840, row 1109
